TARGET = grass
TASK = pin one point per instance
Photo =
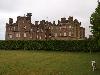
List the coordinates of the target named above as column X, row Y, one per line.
column 47, row 63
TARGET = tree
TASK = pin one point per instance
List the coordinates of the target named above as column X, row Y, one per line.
column 95, row 21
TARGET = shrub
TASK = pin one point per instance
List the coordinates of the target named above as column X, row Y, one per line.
column 52, row 45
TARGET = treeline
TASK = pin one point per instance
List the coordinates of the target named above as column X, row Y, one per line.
column 51, row 45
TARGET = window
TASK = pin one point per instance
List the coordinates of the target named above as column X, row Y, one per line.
column 10, row 28
column 10, row 36
column 37, row 36
column 45, row 36
column 37, row 30
column 17, row 34
column 14, row 28
column 60, row 34
column 40, row 38
column 25, row 35
column 41, row 30
column 64, row 27
column 55, row 34
column 60, row 28
column 65, row 34
column 69, row 33
column 70, row 26
column 52, row 28
column 49, row 27
column 31, row 29
column 30, row 36
column 24, row 27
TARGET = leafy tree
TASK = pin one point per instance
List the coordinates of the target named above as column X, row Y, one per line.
column 95, row 21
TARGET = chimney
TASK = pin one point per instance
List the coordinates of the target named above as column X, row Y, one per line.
column 53, row 22
column 58, row 22
column 70, row 19
column 36, row 22
column 29, row 16
column 43, row 21
column 63, row 20
column 10, row 20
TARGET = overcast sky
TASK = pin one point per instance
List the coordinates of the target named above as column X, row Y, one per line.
column 41, row 9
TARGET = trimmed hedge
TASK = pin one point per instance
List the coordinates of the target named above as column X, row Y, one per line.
column 50, row 45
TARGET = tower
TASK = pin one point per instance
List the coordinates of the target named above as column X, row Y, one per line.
column 29, row 16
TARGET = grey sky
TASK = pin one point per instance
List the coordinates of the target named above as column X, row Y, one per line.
column 40, row 9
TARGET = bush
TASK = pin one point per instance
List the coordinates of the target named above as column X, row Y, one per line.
column 51, row 45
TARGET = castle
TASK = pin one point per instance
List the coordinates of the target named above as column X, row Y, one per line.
column 23, row 29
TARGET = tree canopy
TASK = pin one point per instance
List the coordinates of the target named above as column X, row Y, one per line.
column 95, row 21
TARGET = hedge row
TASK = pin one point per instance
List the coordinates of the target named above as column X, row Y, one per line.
column 50, row 45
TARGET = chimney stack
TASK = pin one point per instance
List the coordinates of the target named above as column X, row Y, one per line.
column 10, row 20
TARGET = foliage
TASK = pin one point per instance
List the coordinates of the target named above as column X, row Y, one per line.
column 95, row 21
column 50, row 45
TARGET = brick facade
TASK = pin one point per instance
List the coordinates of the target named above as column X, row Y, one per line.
column 23, row 29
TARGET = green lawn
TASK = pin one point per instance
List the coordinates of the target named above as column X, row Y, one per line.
column 47, row 63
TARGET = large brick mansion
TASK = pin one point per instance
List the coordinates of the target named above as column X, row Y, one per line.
column 23, row 29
